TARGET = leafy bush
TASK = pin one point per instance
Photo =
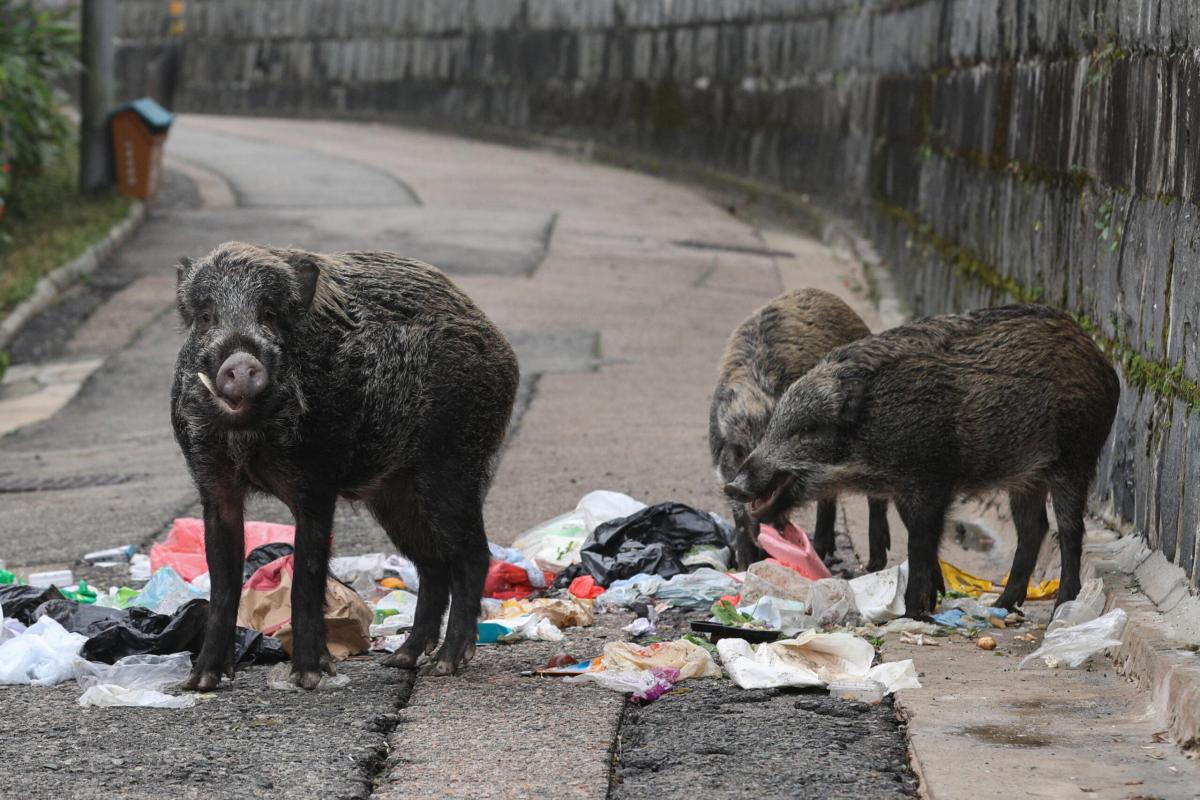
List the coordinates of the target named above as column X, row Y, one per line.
column 37, row 47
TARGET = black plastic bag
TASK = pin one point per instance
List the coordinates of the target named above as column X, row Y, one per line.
column 264, row 554
column 115, row 633
column 21, row 602
column 653, row 540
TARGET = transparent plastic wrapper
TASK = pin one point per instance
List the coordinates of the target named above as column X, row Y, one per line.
column 777, row 580
column 41, row 656
column 361, row 572
column 166, row 592
column 833, row 605
column 1087, row 606
column 1072, row 646
column 646, row 685
column 151, row 672
column 697, row 589
column 707, row 555
column 626, row 592
column 862, row 690
column 393, row 613
column 108, row 696
column 879, row 596
column 787, row 616
column 280, row 678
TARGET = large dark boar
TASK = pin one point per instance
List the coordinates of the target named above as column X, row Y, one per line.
column 772, row 348
column 1016, row 398
column 361, row 375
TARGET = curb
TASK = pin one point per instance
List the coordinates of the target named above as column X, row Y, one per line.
column 1158, row 648
column 51, row 286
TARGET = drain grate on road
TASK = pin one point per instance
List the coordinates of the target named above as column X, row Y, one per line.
column 13, row 485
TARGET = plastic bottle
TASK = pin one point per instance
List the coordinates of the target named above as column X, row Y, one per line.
column 112, row 554
column 58, row 577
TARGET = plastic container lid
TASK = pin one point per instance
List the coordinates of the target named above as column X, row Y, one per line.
column 863, row 690
column 156, row 118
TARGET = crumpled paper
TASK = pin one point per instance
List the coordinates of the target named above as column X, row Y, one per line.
column 811, row 659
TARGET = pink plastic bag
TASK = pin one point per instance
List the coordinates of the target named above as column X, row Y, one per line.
column 183, row 549
column 793, row 549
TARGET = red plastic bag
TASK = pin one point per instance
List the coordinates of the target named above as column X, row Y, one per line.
column 183, row 549
column 585, row 587
column 793, row 549
column 507, row 581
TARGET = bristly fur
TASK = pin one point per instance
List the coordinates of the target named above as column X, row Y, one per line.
column 386, row 385
column 1017, row 398
column 774, row 346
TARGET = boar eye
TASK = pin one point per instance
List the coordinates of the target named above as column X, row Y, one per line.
column 205, row 318
column 267, row 317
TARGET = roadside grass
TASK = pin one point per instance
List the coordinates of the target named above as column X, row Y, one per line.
column 49, row 223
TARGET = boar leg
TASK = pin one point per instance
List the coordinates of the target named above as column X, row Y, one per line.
column 314, row 527
column 745, row 543
column 823, row 537
column 1029, row 515
column 467, row 576
column 924, row 515
column 223, row 546
column 878, row 534
column 1069, row 493
column 433, row 597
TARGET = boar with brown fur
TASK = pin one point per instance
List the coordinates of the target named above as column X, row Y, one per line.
column 360, row 375
column 1017, row 398
column 771, row 349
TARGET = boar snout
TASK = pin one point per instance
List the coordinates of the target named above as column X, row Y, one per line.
column 241, row 378
column 737, row 490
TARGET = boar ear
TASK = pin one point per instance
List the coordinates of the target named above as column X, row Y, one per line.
column 853, row 391
column 183, row 269
column 307, row 274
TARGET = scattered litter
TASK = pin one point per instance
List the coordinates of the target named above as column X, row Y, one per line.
column 113, row 555
column 156, row 672
column 772, row 578
column 653, row 540
column 919, row 639
column 166, row 592
column 506, row 581
column 21, row 602
column 41, row 655
column 510, row 555
column 968, row 613
column 626, row 592
column 183, row 549
column 1072, row 646
column 280, row 678
column 696, row 589
column 961, row 582
column 555, row 544
column 833, row 604
column 393, row 613
column 577, row 668
column 266, row 605
column 530, row 627
column 585, row 586
column 985, row 643
column 139, row 568
column 646, row 685
column 564, row 612
column 262, row 555
column 811, row 659
column 879, row 596
column 561, row 660
column 862, row 690
column 106, row 696
column 362, row 572
column 388, row 644
column 642, row 626
column 58, row 577
column 792, row 548
column 690, row 659
column 1087, row 606
column 901, row 626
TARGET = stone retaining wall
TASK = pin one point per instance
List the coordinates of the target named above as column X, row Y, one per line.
column 992, row 149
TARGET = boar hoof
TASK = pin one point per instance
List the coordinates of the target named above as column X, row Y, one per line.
column 308, row 679
column 203, row 680
column 401, row 660
column 439, row 668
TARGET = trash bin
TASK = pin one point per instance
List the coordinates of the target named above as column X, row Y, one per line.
column 139, row 131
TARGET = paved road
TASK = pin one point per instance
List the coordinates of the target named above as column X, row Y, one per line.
column 618, row 317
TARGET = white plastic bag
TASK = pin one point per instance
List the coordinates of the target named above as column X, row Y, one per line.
column 1087, row 606
column 811, row 659
column 879, row 596
column 361, row 572
column 41, row 656
column 833, row 605
column 697, row 589
column 555, row 543
column 107, row 695
column 627, row 591
column 405, row 605
column 768, row 578
column 638, row 682
column 1072, row 646
column 150, row 672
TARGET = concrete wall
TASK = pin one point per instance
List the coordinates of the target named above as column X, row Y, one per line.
column 993, row 149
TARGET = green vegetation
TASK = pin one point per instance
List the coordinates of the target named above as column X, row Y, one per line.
column 50, row 225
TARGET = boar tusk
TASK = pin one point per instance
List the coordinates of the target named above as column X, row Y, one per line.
column 208, row 384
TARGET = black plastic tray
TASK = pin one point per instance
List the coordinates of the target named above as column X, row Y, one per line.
column 716, row 631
